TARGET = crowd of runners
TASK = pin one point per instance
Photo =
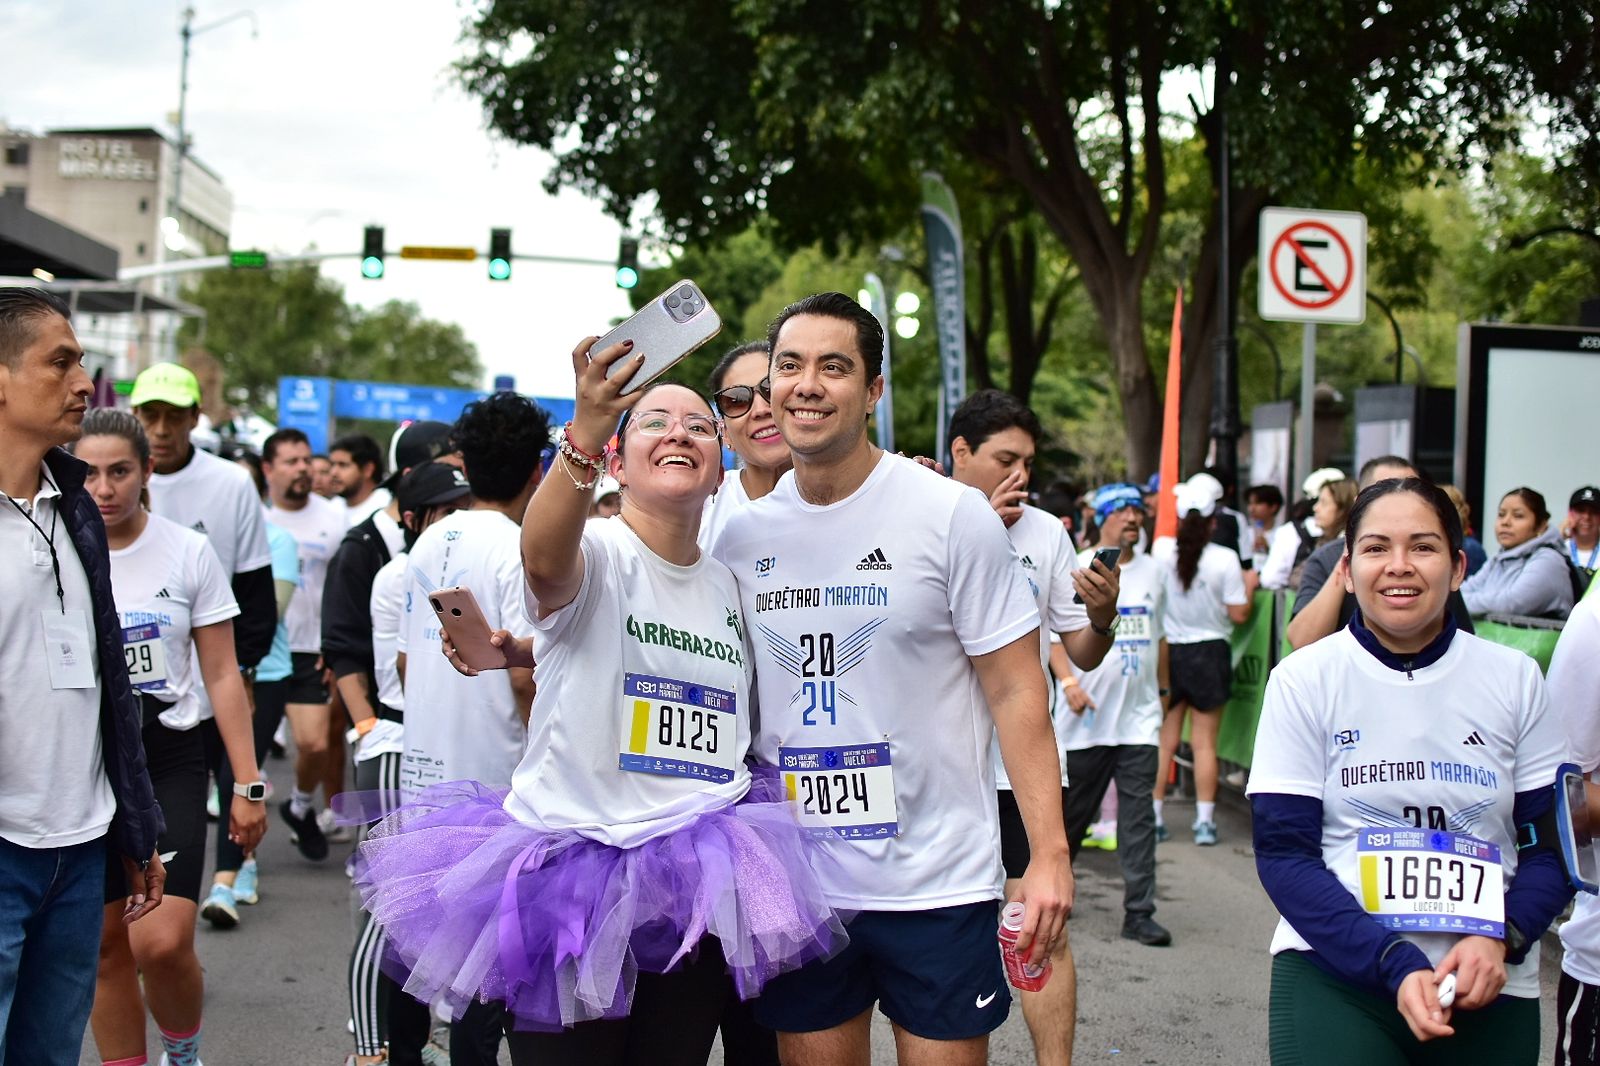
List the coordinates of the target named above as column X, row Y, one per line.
column 757, row 751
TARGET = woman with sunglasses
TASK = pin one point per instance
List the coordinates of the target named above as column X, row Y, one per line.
column 739, row 387
column 631, row 866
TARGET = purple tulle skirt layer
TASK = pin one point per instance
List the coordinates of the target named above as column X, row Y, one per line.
column 478, row 905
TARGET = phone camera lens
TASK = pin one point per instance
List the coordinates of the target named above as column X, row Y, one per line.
column 686, row 293
column 437, row 606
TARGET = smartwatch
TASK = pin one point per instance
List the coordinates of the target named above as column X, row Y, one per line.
column 255, row 791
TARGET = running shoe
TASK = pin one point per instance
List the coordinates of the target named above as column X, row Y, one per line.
column 213, row 807
column 247, row 883
column 1162, row 833
column 331, row 829
column 168, row 1062
column 1205, row 833
column 1146, row 930
column 280, row 739
column 304, row 832
column 1101, row 836
column 219, row 909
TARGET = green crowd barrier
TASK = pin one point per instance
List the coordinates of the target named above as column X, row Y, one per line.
column 1253, row 659
column 1534, row 637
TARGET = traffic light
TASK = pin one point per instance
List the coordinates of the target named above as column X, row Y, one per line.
column 372, row 253
column 499, row 255
column 627, row 263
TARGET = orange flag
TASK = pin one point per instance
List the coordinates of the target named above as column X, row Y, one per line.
column 1166, row 504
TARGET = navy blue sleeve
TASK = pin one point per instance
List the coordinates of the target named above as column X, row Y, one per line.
column 1348, row 943
column 1540, row 890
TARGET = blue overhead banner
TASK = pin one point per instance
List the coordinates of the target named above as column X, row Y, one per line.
column 941, row 223
column 306, row 404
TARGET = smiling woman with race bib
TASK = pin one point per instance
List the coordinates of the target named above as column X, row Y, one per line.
column 176, row 609
column 1400, row 768
column 630, row 869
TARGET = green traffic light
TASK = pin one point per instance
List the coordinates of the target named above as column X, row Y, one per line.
column 499, row 269
column 372, row 267
column 627, row 277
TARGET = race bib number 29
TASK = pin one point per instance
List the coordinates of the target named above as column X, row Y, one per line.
column 146, row 657
column 846, row 791
column 1428, row 880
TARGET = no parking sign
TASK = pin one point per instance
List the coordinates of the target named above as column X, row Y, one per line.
column 1313, row 266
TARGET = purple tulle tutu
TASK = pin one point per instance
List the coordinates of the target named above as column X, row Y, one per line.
column 478, row 905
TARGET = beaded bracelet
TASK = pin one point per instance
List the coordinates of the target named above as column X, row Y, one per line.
column 567, row 465
column 577, row 454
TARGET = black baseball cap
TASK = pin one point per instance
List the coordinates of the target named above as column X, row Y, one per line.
column 1586, row 497
column 430, row 485
column 413, row 444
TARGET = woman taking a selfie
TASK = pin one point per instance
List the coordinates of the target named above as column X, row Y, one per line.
column 1399, row 766
column 176, row 608
column 629, row 841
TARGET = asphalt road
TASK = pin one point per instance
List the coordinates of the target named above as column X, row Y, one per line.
column 275, row 986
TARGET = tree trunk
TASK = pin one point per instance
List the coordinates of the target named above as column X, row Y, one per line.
column 1136, row 386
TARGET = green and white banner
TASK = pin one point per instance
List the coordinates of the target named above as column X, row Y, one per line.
column 941, row 223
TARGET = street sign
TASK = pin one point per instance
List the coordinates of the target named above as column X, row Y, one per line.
column 427, row 251
column 306, row 404
column 248, row 260
column 1313, row 266
column 383, row 402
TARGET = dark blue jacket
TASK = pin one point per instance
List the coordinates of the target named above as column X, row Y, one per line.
column 138, row 822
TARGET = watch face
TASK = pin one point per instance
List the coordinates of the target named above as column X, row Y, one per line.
column 255, row 792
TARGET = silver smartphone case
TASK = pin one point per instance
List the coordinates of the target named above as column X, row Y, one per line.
column 664, row 331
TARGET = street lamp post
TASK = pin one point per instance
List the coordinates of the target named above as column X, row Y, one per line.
column 172, row 234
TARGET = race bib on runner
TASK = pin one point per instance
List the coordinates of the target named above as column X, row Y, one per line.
column 678, row 728
column 1428, row 880
column 146, row 657
column 842, row 791
column 1135, row 626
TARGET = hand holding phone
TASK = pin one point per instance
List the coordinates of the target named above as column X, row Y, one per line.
column 663, row 331
column 1106, row 557
column 462, row 619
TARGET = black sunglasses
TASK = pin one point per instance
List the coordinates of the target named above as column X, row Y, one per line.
column 735, row 400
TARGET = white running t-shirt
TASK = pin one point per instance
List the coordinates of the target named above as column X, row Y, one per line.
column 388, row 604
column 862, row 616
column 729, row 497
column 218, row 498
column 642, row 717
column 170, row 580
column 457, row 727
column 1126, row 686
column 1047, row 558
column 317, row 529
column 1200, row 612
column 1574, row 684
column 1447, row 746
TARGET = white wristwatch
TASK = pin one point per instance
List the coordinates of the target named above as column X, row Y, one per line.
column 255, row 791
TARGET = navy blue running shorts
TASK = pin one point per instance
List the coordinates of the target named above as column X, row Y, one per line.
column 937, row 974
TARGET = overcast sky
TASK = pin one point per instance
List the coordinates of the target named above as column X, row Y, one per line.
column 338, row 114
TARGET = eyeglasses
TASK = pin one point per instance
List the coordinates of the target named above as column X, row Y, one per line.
column 659, row 424
column 735, row 400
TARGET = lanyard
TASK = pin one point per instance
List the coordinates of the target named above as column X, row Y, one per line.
column 50, row 539
column 1572, row 548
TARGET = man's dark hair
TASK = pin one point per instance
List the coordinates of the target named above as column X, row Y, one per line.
column 502, row 439
column 720, row 372
column 990, row 411
column 269, row 447
column 869, row 331
column 22, row 307
column 1225, row 482
column 1270, row 495
column 363, row 450
column 1364, row 475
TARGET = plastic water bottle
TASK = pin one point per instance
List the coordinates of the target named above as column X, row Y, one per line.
column 1022, row 974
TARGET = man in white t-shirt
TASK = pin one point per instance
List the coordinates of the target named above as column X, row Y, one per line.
column 317, row 526
column 1111, row 724
column 460, row 728
column 73, row 783
column 993, row 439
column 894, row 632
column 212, row 496
column 355, row 469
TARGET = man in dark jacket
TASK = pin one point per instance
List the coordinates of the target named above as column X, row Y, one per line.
column 71, row 758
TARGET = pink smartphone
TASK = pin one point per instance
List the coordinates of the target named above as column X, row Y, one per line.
column 461, row 617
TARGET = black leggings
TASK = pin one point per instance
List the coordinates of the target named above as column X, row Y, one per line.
column 271, row 697
column 673, row 1022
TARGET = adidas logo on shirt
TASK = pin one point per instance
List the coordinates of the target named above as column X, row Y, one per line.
column 1473, row 740
column 875, row 561
column 163, row 595
column 1029, row 564
column 199, row 527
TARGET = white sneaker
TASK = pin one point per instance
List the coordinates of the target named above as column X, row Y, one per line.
column 335, row 833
